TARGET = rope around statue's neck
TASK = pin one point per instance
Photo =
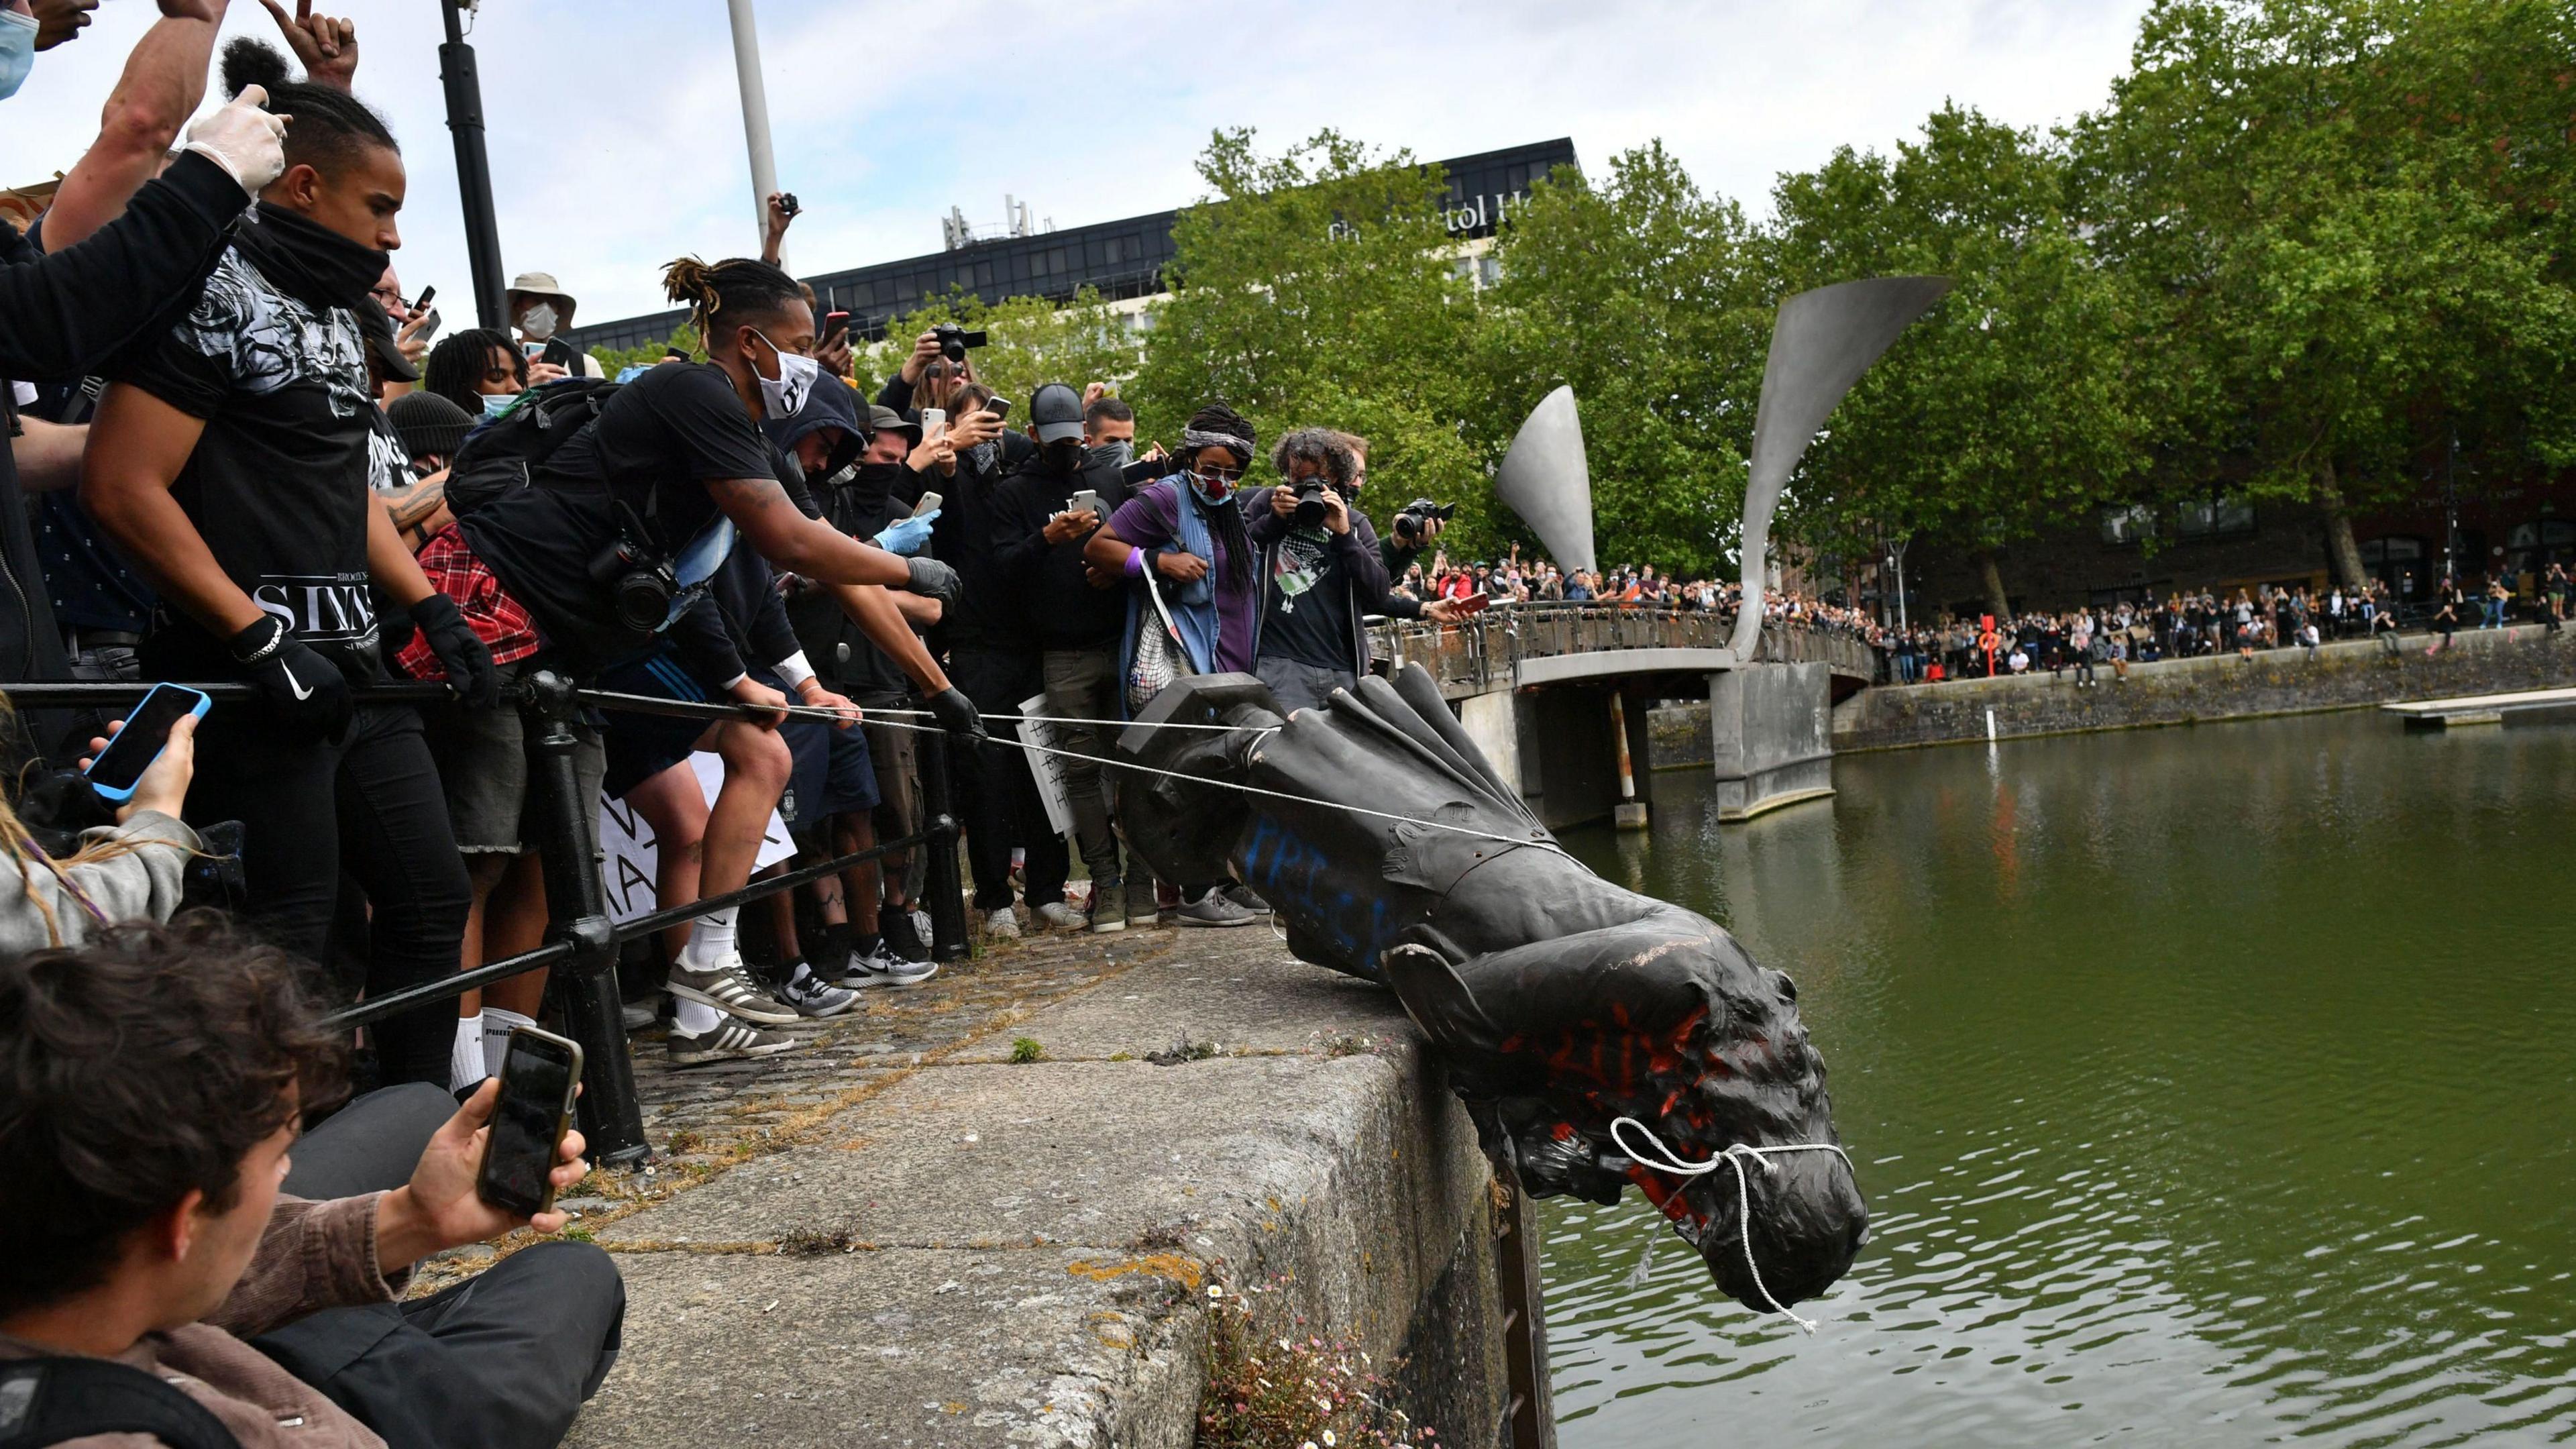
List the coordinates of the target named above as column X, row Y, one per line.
column 1663, row 1160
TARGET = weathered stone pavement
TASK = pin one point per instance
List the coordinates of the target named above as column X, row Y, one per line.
column 988, row 1210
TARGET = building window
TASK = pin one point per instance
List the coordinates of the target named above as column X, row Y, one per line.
column 2128, row 523
column 2214, row 517
column 1489, row 270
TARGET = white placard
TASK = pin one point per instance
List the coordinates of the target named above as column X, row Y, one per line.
column 626, row 871
column 1049, row 769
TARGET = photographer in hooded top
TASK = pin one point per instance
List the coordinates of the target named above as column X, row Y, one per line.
column 1322, row 572
column 233, row 461
column 1078, row 614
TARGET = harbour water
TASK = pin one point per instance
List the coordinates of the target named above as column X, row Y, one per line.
column 2210, row 1086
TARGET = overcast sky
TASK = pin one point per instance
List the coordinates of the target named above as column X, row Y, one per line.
column 617, row 131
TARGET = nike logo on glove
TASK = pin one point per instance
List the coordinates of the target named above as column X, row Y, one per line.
column 298, row 688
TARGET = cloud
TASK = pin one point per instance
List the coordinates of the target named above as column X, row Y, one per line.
column 616, row 129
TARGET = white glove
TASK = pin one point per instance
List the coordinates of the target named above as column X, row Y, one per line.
column 245, row 140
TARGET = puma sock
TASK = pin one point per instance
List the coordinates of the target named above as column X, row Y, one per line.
column 710, row 941
column 497, row 1026
column 694, row 1018
column 465, row 1059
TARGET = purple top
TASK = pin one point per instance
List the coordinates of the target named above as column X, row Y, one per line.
column 1150, row 520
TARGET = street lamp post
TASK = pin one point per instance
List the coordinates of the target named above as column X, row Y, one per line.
column 473, row 167
column 755, row 116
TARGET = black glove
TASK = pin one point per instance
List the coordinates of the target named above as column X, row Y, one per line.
column 933, row 579
column 957, row 714
column 469, row 663
column 300, row 683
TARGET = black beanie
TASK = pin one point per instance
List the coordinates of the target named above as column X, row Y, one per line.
column 429, row 423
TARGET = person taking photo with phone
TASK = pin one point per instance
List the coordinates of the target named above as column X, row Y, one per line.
column 232, row 461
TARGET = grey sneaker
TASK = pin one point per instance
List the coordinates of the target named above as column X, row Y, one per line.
column 1002, row 925
column 814, row 997
column 1108, row 907
column 643, row 1011
column 882, row 967
column 1058, row 916
column 730, row 1041
column 1246, row 897
column 729, row 989
column 1212, row 909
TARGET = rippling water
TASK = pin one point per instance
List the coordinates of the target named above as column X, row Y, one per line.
column 2209, row 1086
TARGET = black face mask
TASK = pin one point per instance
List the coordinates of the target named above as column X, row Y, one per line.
column 1066, row 457
column 323, row 269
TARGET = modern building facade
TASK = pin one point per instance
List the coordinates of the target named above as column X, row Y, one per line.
column 1121, row 260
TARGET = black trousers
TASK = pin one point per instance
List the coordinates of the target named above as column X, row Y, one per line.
column 997, row 796
column 371, row 803
column 504, row 1359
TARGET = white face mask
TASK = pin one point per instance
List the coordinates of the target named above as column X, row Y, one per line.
column 539, row 322
column 784, row 395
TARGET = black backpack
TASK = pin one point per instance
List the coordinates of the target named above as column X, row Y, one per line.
column 52, row 1400
column 501, row 456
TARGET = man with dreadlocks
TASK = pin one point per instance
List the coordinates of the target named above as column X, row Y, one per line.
column 1188, row 529
column 672, row 472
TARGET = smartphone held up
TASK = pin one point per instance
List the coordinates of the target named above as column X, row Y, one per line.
column 118, row 769
column 539, row 1076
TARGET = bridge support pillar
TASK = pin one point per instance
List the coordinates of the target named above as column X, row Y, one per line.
column 1772, row 736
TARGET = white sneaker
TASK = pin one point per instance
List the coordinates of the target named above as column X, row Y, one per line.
column 1060, row 916
column 729, row 1041
column 1002, row 925
column 729, row 989
column 814, row 997
column 882, row 967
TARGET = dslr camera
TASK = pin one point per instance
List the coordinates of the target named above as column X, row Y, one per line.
column 641, row 584
column 954, row 340
column 1408, row 524
column 1309, row 493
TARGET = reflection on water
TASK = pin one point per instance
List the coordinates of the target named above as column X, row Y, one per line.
column 2209, row 1086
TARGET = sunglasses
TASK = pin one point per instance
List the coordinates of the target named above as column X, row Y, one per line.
column 1219, row 477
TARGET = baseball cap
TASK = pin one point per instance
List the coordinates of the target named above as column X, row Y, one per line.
column 1056, row 412
column 882, row 418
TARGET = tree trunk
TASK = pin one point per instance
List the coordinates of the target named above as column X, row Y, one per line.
column 2343, row 555
column 1993, row 577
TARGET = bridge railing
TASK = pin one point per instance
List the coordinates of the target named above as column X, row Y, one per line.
column 1479, row 654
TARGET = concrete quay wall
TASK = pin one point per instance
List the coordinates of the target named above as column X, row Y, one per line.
column 992, row 1251
column 2347, row 675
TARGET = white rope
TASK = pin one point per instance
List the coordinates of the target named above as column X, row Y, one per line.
column 1547, row 845
column 1664, row 1160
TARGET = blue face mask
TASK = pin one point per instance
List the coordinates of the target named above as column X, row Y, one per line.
column 497, row 403
column 17, row 50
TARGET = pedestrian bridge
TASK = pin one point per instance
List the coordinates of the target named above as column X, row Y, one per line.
column 1550, row 690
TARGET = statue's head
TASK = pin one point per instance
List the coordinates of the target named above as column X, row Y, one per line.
column 1670, row 1024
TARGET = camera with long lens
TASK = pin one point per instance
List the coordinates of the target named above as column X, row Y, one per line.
column 1309, row 493
column 954, row 340
column 640, row 583
column 1421, row 511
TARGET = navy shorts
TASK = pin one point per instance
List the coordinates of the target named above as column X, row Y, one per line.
column 833, row 773
column 641, row 746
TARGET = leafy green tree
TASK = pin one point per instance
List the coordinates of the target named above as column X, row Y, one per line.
column 1319, row 287
column 1649, row 298
column 614, row 360
column 2015, row 404
column 2352, row 216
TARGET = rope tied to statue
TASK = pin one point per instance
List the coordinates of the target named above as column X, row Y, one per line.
column 1663, row 1160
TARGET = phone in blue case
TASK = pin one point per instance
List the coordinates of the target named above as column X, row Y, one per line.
column 141, row 739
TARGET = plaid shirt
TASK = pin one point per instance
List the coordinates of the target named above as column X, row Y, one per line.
column 500, row 621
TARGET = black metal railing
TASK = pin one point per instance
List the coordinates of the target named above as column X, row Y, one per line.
column 579, row 934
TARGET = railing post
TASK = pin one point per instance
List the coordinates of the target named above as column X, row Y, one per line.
column 577, row 911
column 940, row 880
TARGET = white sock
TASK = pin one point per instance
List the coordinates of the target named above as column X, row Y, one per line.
column 497, row 1025
column 710, row 941
column 465, row 1059
column 694, row 1018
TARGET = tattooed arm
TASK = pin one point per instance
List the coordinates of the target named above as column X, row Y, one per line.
column 420, row 510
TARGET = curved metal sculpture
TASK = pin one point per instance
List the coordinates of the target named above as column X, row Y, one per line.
column 1560, row 1003
column 1547, row 482
column 1821, row 343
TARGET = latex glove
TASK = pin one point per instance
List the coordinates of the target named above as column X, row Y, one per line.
column 933, row 578
column 906, row 536
column 244, row 139
column 301, row 684
column 957, row 714
column 470, row 674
